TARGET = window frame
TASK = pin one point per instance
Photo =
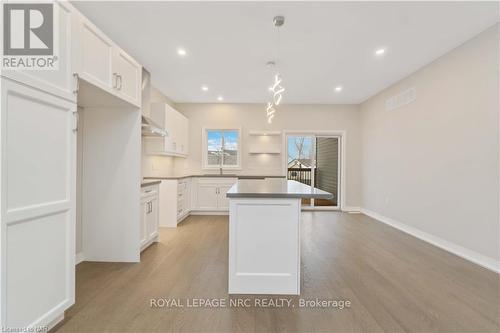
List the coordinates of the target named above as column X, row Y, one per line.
column 204, row 138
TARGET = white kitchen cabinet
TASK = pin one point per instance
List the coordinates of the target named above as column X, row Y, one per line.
column 184, row 135
column 152, row 218
column 93, row 55
column 144, row 219
column 177, row 125
column 206, row 194
column 222, row 200
column 149, row 215
column 210, row 193
column 174, row 202
column 127, row 73
column 183, row 198
column 38, row 191
column 58, row 82
column 102, row 63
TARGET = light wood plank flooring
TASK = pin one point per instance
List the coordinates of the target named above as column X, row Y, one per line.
column 396, row 283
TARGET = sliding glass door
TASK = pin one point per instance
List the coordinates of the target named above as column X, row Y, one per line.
column 301, row 153
column 314, row 160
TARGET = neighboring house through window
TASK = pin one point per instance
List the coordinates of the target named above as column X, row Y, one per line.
column 221, row 148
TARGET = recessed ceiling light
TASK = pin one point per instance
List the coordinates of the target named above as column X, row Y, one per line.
column 338, row 88
column 204, row 88
column 181, row 52
column 220, row 98
column 380, row 52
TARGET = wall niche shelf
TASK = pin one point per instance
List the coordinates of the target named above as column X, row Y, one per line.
column 265, row 133
column 268, row 148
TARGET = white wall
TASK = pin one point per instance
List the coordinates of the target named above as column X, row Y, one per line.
column 433, row 165
column 289, row 117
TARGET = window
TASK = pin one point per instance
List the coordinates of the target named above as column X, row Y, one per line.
column 221, row 148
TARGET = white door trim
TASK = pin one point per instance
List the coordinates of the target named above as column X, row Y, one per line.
column 342, row 134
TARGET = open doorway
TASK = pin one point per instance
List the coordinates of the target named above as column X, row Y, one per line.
column 314, row 159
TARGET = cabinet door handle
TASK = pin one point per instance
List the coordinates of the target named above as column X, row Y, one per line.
column 77, row 83
column 115, row 80
column 120, row 77
column 77, row 120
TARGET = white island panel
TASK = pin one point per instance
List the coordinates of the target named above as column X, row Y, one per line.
column 264, row 246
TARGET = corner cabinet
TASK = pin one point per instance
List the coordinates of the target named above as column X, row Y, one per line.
column 103, row 64
column 149, row 215
column 176, row 143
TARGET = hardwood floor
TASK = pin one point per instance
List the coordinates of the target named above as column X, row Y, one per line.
column 395, row 283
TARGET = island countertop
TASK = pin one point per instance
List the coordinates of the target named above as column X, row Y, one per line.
column 275, row 188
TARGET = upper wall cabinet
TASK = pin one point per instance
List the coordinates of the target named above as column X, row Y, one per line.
column 94, row 55
column 102, row 63
column 58, row 82
column 176, row 143
column 127, row 74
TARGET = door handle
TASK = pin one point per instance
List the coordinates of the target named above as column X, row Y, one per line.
column 120, row 80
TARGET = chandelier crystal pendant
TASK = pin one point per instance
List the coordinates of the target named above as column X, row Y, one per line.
column 276, row 89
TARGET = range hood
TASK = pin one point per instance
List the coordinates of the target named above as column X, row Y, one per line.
column 150, row 128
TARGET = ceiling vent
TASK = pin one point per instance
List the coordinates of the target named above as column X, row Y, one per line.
column 402, row 99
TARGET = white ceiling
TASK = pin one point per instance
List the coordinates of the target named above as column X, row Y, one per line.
column 323, row 44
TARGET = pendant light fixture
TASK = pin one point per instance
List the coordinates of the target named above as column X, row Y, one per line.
column 276, row 88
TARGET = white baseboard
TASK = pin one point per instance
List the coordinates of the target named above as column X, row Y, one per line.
column 351, row 209
column 475, row 257
column 79, row 258
column 56, row 321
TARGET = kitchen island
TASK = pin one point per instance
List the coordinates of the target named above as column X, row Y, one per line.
column 264, row 235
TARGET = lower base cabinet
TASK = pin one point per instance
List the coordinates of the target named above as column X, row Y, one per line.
column 177, row 198
column 210, row 193
column 149, row 215
column 175, row 201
